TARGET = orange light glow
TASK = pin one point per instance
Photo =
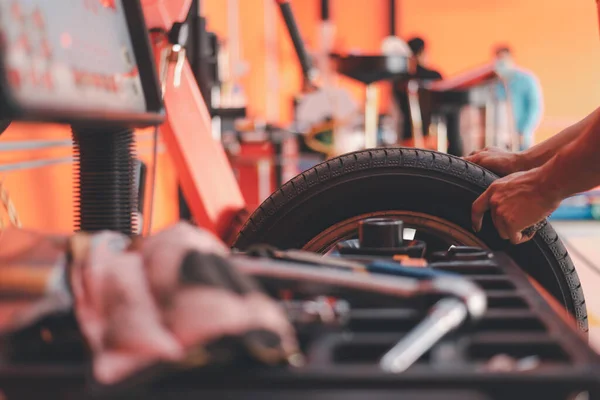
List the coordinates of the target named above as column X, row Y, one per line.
column 109, row 4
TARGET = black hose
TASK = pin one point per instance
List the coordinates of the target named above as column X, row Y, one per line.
column 325, row 11
column 392, row 16
column 292, row 27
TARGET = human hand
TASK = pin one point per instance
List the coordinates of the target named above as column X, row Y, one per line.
column 499, row 161
column 173, row 297
column 516, row 202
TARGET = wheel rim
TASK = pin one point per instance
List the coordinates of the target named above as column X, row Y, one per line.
column 424, row 225
column 452, row 234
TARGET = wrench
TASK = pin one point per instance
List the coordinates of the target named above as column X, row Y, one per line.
column 465, row 299
column 445, row 316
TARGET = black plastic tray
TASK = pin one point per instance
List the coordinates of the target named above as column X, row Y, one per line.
column 342, row 364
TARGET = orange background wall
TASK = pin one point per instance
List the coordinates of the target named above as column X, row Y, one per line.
column 356, row 31
column 556, row 39
column 43, row 196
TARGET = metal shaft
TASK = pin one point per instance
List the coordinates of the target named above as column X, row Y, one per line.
column 371, row 116
column 446, row 315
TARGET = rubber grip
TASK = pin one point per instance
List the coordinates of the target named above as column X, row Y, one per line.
column 292, row 27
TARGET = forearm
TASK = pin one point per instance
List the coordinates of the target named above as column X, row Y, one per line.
column 576, row 167
column 543, row 152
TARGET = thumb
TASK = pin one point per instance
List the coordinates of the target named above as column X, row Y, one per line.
column 475, row 159
column 478, row 209
column 472, row 156
column 516, row 238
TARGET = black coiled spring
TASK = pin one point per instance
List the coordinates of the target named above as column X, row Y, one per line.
column 105, row 196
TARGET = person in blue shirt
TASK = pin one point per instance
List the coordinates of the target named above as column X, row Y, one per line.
column 418, row 47
column 524, row 95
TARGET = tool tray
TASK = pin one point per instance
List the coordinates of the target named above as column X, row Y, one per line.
column 342, row 362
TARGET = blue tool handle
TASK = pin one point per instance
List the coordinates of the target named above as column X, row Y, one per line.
column 391, row 268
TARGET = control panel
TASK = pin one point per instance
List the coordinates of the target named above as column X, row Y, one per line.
column 73, row 60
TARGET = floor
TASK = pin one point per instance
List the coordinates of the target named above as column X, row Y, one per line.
column 582, row 240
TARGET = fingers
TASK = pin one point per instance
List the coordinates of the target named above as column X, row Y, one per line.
column 525, row 235
column 523, row 232
column 513, row 208
column 484, row 156
column 482, row 151
column 474, row 157
column 509, row 231
column 500, row 224
column 518, row 238
column 480, row 206
column 505, row 230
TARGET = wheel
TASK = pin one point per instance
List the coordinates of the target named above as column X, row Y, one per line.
column 431, row 192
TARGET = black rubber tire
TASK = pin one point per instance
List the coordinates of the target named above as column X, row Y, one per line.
column 404, row 179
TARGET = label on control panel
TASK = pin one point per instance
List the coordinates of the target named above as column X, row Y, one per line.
column 71, row 55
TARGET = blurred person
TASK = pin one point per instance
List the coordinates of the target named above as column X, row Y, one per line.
column 524, row 95
column 418, row 48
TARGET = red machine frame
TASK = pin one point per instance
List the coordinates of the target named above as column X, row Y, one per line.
column 207, row 179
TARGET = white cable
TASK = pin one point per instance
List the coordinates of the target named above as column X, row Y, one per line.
column 271, row 63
